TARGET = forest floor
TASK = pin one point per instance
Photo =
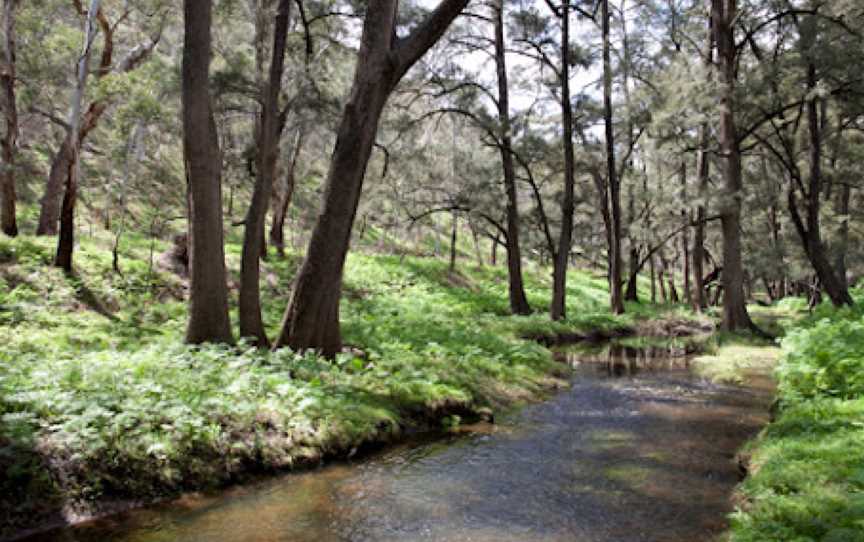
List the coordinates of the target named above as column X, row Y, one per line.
column 103, row 407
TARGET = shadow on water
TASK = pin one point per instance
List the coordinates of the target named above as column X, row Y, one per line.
column 638, row 449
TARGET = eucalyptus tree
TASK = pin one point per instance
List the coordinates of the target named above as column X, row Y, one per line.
column 208, row 298
column 59, row 184
column 724, row 14
column 251, row 323
column 312, row 317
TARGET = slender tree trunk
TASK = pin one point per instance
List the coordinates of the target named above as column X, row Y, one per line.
column 735, row 315
column 661, row 280
column 632, row 293
column 66, row 242
column 558, row 309
column 66, row 156
column 810, row 232
column 208, row 301
column 454, row 236
column 653, row 273
column 615, row 261
column 518, row 300
column 251, row 322
column 9, row 142
column 282, row 201
column 685, row 237
column 312, row 318
column 843, row 209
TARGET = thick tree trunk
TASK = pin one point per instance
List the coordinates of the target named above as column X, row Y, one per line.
column 735, row 315
column 312, row 318
column 9, row 142
column 208, row 301
column 518, row 300
column 251, row 322
column 454, row 237
column 615, row 260
column 558, row 309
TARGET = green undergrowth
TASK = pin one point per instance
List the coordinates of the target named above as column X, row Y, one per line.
column 99, row 398
column 807, row 467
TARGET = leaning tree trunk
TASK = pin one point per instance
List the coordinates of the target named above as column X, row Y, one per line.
column 208, row 300
column 9, row 142
column 66, row 242
column 311, row 320
column 811, row 234
column 558, row 309
column 615, row 261
column 283, row 200
column 251, row 322
column 735, row 315
column 518, row 300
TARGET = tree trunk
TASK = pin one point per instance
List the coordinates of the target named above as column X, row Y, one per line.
column 9, row 142
column 632, row 293
column 810, row 233
column 66, row 242
column 653, row 273
column 251, row 322
column 735, row 315
column 208, row 301
column 518, row 300
column 615, row 260
column 281, row 202
column 67, row 155
column 558, row 309
column 454, row 232
column 312, row 317
column 842, row 208
column 685, row 237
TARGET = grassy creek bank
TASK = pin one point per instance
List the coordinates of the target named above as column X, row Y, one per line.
column 103, row 408
column 806, row 468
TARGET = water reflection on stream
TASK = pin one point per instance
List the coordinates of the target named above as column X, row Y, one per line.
column 639, row 449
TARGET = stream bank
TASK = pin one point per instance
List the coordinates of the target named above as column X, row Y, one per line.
column 638, row 448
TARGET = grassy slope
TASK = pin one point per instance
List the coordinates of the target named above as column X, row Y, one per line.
column 99, row 399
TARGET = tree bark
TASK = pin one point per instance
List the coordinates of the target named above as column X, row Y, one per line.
column 208, row 301
column 518, row 300
column 735, row 315
column 558, row 309
column 454, row 235
column 615, row 260
column 685, row 238
column 9, row 142
column 281, row 202
column 66, row 241
column 811, row 232
column 311, row 319
column 66, row 156
column 251, row 322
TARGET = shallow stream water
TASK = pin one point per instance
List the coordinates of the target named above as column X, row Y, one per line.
column 638, row 449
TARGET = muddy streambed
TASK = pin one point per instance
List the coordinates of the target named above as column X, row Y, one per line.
column 638, row 449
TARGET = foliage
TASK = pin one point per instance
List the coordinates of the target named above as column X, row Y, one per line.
column 807, row 467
